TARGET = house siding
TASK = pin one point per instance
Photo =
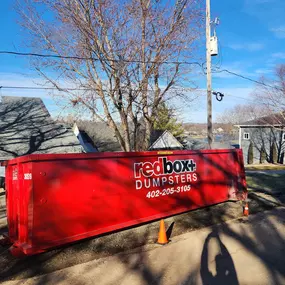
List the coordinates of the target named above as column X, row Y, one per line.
column 262, row 137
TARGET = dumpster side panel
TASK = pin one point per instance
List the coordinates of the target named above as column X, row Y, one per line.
column 242, row 186
column 25, row 204
column 19, row 202
column 11, row 181
column 79, row 198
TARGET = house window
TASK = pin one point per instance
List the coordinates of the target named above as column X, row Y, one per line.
column 246, row 136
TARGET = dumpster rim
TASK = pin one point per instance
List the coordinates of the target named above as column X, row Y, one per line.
column 102, row 155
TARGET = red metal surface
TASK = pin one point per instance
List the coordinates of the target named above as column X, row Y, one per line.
column 57, row 199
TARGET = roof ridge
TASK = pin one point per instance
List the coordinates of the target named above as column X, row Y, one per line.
column 271, row 119
column 21, row 97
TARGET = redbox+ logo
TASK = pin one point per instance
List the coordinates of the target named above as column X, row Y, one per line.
column 163, row 166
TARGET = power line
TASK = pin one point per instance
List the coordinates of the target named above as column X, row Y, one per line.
column 137, row 61
column 251, row 100
column 239, row 97
column 43, row 88
column 185, row 89
column 95, row 58
column 249, row 79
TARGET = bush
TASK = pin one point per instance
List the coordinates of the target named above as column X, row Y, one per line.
column 262, row 155
column 250, row 154
column 274, row 156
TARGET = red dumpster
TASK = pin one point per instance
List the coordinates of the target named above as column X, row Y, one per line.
column 54, row 199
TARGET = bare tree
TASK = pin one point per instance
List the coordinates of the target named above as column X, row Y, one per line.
column 271, row 93
column 241, row 113
column 269, row 99
column 117, row 53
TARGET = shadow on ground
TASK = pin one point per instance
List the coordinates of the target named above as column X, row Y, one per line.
column 225, row 272
column 268, row 181
column 126, row 240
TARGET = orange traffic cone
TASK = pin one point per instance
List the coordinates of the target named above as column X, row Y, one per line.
column 162, row 238
column 246, row 210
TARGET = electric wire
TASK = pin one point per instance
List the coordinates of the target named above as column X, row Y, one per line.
column 28, row 54
column 185, row 89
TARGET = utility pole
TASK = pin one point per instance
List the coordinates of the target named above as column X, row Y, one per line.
column 209, row 74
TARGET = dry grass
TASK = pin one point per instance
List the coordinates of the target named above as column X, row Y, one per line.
column 267, row 166
column 266, row 181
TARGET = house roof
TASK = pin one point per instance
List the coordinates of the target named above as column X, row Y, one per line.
column 26, row 127
column 198, row 144
column 270, row 120
column 195, row 144
column 102, row 136
column 222, row 145
column 164, row 140
column 84, row 139
column 104, row 139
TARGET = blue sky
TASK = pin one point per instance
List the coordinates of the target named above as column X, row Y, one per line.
column 251, row 42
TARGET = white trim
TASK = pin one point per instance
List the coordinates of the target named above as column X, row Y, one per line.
column 239, row 138
column 75, row 129
column 261, row 126
column 248, row 137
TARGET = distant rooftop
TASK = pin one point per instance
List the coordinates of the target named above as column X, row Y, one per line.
column 102, row 136
column 270, row 120
column 164, row 140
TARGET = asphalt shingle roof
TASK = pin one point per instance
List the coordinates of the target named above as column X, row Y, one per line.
column 102, row 136
column 270, row 120
column 26, row 127
column 104, row 139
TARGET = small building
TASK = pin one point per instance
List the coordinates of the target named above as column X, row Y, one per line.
column 263, row 137
column 161, row 140
column 220, row 130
